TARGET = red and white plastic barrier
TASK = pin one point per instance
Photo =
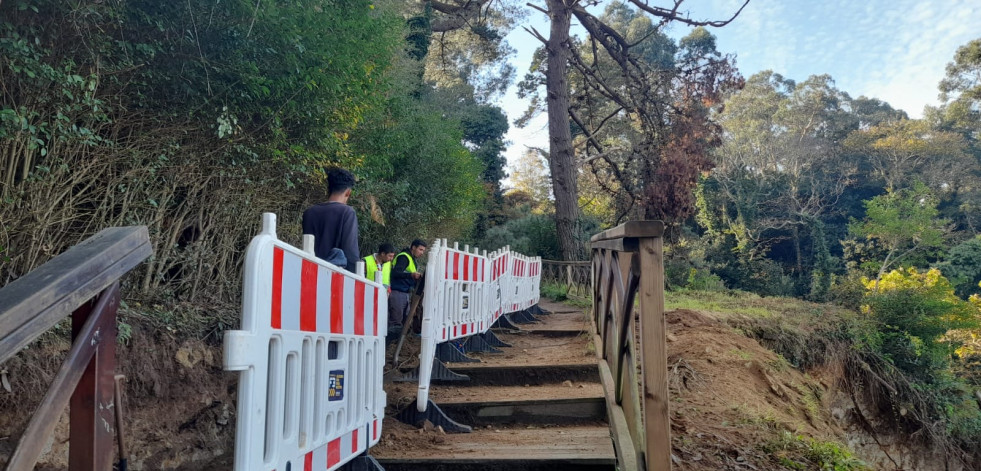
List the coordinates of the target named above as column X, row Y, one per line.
column 465, row 293
column 456, row 304
column 521, row 282
column 311, row 354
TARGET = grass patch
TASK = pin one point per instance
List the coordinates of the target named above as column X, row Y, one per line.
column 554, row 291
column 799, row 452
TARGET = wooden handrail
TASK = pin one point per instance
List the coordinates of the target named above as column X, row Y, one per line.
column 83, row 281
column 627, row 266
column 34, row 303
column 575, row 263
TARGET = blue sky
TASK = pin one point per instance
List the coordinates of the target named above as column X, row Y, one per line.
column 894, row 50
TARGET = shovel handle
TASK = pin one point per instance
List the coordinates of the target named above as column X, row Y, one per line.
column 120, row 433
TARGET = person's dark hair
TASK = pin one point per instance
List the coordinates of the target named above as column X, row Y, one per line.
column 339, row 180
column 419, row 243
column 386, row 248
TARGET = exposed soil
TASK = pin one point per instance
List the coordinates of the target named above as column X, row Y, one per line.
column 733, row 401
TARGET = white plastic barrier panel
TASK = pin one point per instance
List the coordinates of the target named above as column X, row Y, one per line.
column 498, row 283
column 522, row 282
column 536, row 281
column 311, row 354
column 456, row 304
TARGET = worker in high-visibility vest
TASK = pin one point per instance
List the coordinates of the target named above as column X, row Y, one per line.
column 380, row 260
column 403, row 276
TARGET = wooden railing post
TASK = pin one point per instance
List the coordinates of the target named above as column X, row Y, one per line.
column 92, row 405
column 627, row 266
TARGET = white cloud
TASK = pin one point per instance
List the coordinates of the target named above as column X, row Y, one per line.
column 894, row 50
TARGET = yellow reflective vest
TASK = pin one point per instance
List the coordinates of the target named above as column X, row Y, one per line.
column 371, row 266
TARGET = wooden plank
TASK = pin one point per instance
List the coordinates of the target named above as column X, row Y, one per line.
column 625, row 244
column 45, row 418
column 619, row 429
column 531, row 374
column 631, row 229
column 37, row 301
column 551, row 410
column 575, row 263
column 569, row 443
column 654, row 356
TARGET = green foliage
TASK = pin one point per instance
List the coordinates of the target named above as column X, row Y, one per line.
column 554, row 291
column 532, row 235
column 903, row 222
column 913, row 311
column 193, row 118
column 425, row 182
column 962, row 266
column 740, row 271
column 847, row 291
column 821, row 273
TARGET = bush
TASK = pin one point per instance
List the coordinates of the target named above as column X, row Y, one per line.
column 913, row 311
column 847, row 291
column 704, row 280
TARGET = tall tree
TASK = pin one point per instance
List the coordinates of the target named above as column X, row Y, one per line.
column 559, row 54
column 960, row 89
column 905, row 151
column 781, row 168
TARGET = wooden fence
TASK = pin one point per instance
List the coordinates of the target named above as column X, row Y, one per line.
column 627, row 267
column 82, row 282
column 576, row 276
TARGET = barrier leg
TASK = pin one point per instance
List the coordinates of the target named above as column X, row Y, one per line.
column 538, row 311
column 523, row 317
column 411, row 415
column 440, row 373
column 504, row 322
column 492, row 339
column 476, row 343
column 363, row 462
column 448, row 353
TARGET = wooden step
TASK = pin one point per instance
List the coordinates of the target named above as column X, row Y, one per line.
column 556, row 411
column 482, row 374
column 504, row 448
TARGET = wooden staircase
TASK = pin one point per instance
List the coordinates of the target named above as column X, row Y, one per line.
column 538, row 405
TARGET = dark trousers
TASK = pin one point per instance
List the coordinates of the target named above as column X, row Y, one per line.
column 398, row 307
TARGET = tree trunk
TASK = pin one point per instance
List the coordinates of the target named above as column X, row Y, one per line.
column 561, row 158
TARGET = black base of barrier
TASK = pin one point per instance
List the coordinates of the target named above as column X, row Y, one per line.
column 448, row 353
column 538, row 311
column 440, row 373
column 476, row 343
column 362, row 462
column 492, row 340
column 410, row 415
column 523, row 317
column 504, row 322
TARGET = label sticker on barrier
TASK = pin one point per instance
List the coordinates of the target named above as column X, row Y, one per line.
column 311, row 354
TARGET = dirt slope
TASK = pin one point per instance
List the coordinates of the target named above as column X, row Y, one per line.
column 735, row 404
